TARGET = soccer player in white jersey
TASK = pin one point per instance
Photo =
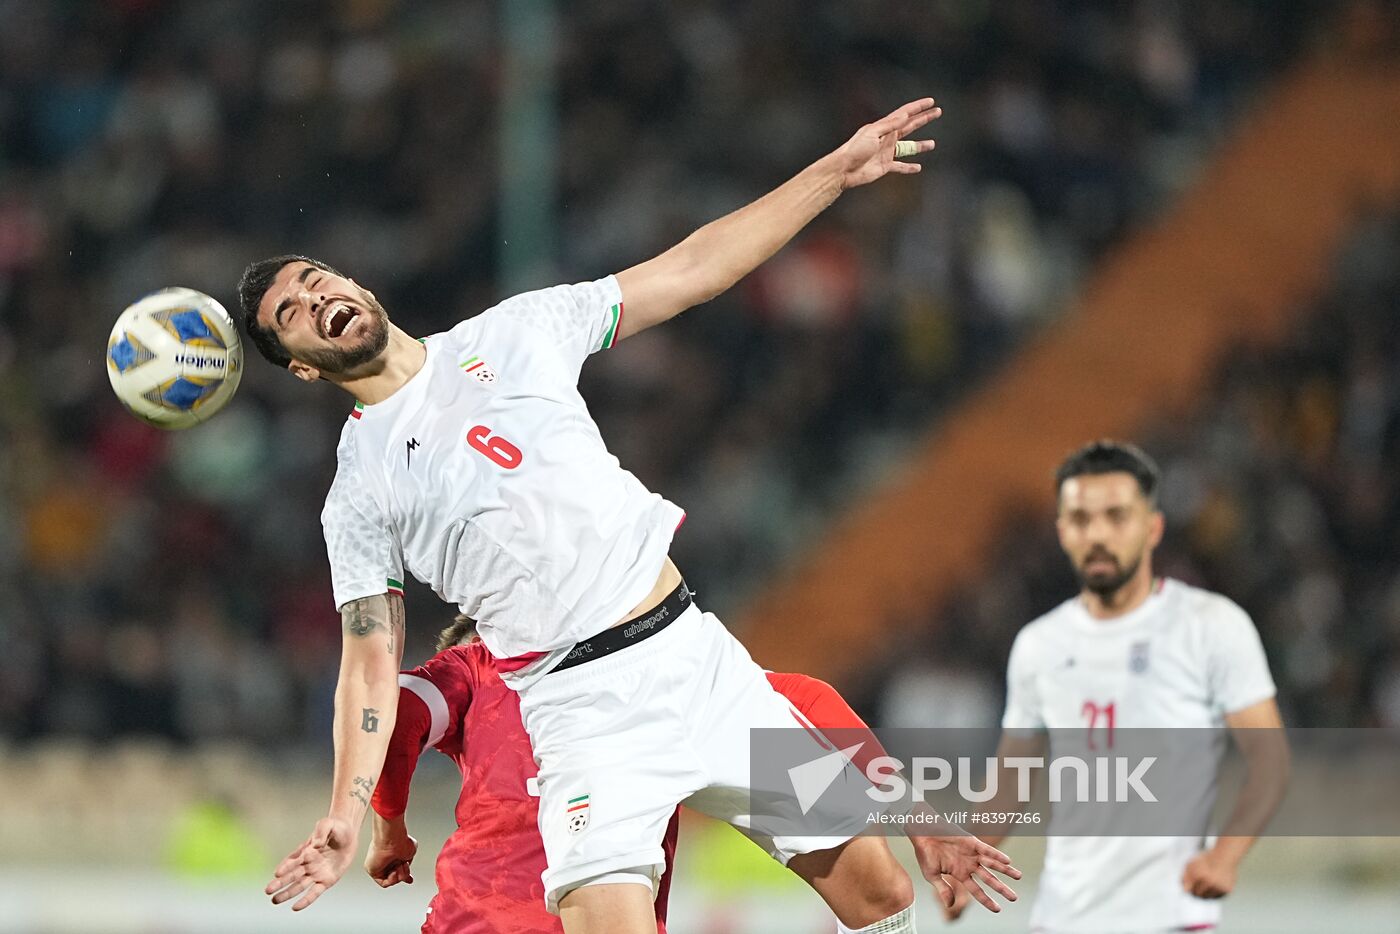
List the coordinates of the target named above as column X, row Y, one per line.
column 471, row 462
column 1137, row 651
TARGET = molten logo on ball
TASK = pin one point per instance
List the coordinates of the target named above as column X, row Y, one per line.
column 174, row 358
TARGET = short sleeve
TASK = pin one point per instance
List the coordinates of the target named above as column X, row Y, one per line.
column 578, row 319
column 1236, row 667
column 1023, row 708
column 364, row 552
column 827, row 710
column 446, row 684
column 818, row 701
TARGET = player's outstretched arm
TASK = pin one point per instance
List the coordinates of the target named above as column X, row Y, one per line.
column 722, row 252
column 366, row 702
column 1258, row 730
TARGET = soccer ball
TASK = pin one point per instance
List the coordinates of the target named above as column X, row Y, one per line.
column 174, row 358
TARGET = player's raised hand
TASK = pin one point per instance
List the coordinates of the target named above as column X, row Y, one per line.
column 314, row 866
column 967, row 860
column 871, row 153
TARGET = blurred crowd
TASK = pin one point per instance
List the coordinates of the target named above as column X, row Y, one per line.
column 1282, row 492
column 176, row 584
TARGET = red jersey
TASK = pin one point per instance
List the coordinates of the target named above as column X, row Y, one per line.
column 488, row 873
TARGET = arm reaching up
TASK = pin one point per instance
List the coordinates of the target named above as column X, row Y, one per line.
column 722, row 252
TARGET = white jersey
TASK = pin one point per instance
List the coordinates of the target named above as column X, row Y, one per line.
column 485, row 478
column 1185, row 658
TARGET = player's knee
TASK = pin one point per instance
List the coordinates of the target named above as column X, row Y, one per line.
column 895, row 895
column 887, row 895
column 889, row 909
column 860, row 880
column 890, row 889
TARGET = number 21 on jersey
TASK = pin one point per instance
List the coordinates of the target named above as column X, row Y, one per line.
column 1093, row 713
column 494, row 448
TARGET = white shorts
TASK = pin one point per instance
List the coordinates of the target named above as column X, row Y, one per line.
column 621, row 741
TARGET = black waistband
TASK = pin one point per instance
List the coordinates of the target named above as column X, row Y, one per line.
column 629, row 633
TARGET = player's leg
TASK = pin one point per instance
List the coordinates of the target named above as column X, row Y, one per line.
column 604, row 808
column 607, row 907
column 862, row 883
column 613, row 768
column 858, row 876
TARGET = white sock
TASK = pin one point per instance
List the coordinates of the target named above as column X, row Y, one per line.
column 901, row 922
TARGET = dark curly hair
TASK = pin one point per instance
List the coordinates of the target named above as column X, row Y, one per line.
column 256, row 280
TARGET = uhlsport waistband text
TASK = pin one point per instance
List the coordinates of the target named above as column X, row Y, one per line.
column 631, row 632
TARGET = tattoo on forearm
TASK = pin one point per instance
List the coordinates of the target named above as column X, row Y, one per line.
column 396, row 623
column 362, row 790
column 369, row 719
column 361, row 617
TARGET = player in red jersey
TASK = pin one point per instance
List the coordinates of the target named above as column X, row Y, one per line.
column 488, row 873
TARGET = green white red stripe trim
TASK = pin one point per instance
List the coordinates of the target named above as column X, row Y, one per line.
column 395, row 587
column 473, row 363
column 610, row 338
column 359, row 410
column 577, row 804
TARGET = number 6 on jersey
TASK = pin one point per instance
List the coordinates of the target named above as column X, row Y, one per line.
column 496, row 449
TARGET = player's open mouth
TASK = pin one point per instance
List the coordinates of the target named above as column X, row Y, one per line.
column 338, row 319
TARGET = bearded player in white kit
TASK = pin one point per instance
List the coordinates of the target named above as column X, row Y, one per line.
column 1137, row 651
column 471, row 462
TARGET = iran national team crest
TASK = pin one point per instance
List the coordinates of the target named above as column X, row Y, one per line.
column 477, row 367
column 577, row 811
column 1137, row 657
